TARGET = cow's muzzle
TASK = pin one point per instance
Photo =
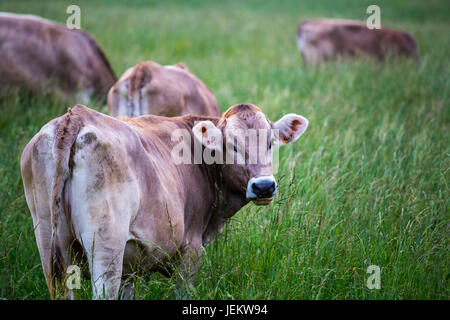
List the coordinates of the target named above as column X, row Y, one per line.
column 261, row 189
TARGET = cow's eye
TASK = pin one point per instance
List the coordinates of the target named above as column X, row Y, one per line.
column 270, row 144
column 230, row 145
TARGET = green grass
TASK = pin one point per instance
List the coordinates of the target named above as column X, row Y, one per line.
column 366, row 184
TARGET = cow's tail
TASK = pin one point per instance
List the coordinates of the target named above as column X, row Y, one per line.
column 66, row 133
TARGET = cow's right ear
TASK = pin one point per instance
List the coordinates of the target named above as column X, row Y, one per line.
column 208, row 134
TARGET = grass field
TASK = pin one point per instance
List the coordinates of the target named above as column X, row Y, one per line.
column 367, row 184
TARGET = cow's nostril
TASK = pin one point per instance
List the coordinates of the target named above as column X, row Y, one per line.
column 272, row 187
column 264, row 189
column 256, row 189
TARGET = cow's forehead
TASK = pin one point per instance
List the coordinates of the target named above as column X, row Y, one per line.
column 248, row 120
column 246, row 116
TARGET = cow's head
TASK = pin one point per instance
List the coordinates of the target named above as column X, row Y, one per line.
column 244, row 139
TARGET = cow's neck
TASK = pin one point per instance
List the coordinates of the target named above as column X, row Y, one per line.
column 226, row 201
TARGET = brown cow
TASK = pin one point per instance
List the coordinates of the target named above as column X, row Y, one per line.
column 149, row 88
column 38, row 54
column 325, row 39
column 116, row 190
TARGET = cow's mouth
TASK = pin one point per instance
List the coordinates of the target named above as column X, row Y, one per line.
column 262, row 201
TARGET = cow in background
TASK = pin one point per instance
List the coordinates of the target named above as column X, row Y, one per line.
column 327, row 39
column 150, row 88
column 41, row 55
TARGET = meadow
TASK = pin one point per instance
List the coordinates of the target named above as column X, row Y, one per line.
column 367, row 184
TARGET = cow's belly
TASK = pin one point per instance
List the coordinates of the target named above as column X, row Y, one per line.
column 139, row 258
column 157, row 232
column 154, row 247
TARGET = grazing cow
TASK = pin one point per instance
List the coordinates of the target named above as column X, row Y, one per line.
column 324, row 39
column 170, row 91
column 112, row 190
column 38, row 54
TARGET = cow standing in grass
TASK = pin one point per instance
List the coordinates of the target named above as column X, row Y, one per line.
column 150, row 88
column 39, row 55
column 114, row 190
column 326, row 39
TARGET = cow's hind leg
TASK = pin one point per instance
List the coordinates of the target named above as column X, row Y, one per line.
column 105, row 265
column 37, row 167
column 103, row 236
column 104, row 198
column 38, row 173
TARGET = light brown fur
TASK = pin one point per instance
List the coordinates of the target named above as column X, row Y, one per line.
column 327, row 39
column 149, row 88
column 38, row 54
column 109, row 186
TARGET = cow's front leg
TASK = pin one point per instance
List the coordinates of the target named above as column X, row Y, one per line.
column 127, row 287
column 191, row 257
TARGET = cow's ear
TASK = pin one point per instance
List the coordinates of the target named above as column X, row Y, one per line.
column 208, row 134
column 290, row 128
column 182, row 65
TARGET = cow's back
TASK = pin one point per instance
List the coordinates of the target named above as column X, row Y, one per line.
column 38, row 53
column 325, row 39
column 201, row 99
column 170, row 91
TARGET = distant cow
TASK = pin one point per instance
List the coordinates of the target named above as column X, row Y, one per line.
column 38, row 54
column 113, row 189
column 325, row 39
column 149, row 88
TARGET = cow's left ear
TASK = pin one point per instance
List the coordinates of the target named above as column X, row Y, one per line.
column 183, row 66
column 208, row 135
column 290, row 128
